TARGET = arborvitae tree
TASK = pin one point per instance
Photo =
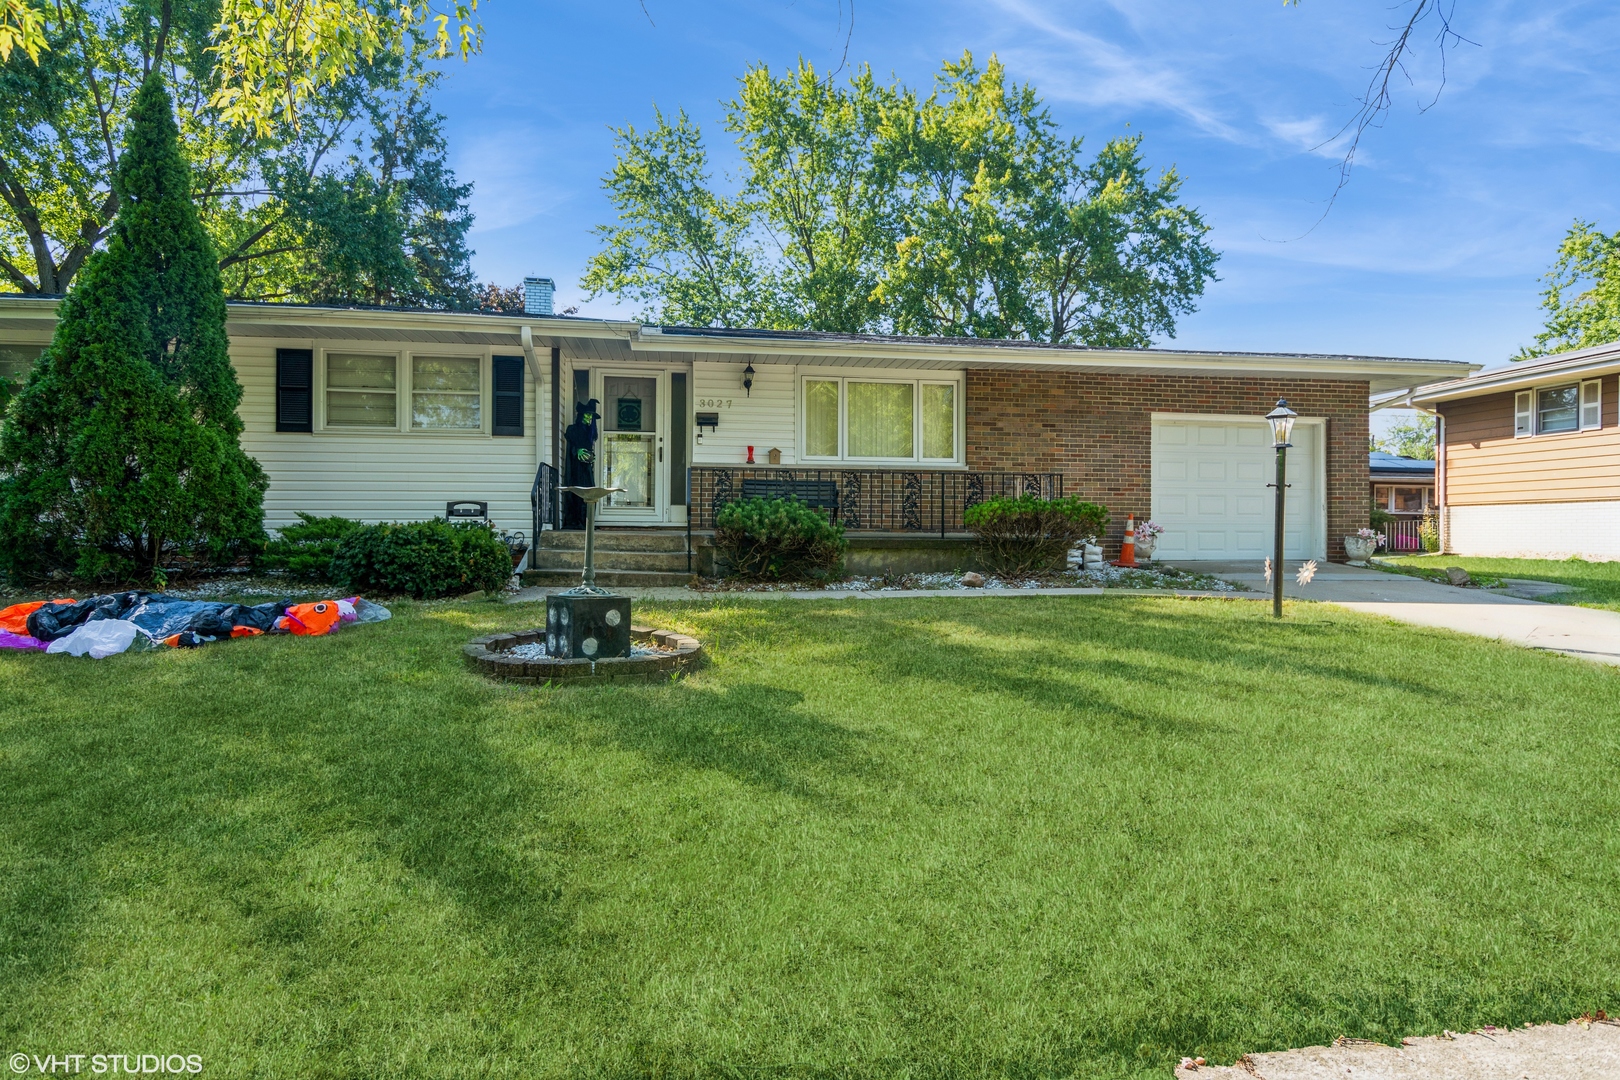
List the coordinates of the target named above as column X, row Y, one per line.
column 121, row 453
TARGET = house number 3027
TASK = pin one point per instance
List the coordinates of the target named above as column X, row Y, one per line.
column 714, row 403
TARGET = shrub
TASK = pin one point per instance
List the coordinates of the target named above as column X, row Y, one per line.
column 305, row 550
column 422, row 559
column 1429, row 532
column 1027, row 534
column 121, row 453
column 779, row 540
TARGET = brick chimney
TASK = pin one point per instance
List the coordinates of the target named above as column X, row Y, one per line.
column 537, row 293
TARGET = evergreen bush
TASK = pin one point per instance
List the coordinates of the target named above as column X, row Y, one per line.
column 778, row 540
column 422, row 559
column 120, row 455
column 305, row 550
column 1031, row 535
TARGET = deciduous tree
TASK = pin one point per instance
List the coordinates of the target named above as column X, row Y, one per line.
column 1582, row 298
column 868, row 208
column 341, row 194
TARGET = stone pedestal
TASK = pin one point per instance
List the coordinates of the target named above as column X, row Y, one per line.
column 587, row 627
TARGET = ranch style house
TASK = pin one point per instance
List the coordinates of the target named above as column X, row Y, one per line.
column 393, row 415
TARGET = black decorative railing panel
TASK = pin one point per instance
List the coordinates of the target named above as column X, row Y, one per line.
column 866, row 500
column 545, row 500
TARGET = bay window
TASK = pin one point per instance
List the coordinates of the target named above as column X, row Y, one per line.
column 878, row 419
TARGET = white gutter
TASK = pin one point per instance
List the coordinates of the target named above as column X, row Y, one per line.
column 526, row 336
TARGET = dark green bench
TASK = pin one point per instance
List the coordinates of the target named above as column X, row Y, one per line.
column 816, row 494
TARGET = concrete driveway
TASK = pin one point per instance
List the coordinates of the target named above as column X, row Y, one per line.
column 1577, row 631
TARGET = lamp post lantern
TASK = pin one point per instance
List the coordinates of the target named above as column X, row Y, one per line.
column 1281, row 420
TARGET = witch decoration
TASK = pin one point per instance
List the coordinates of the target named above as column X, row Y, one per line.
column 580, row 467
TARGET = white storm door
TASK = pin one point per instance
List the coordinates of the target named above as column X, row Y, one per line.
column 1211, row 493
column 632, row 452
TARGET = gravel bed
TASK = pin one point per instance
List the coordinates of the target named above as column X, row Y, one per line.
column 1106, row 577
column 537, row 651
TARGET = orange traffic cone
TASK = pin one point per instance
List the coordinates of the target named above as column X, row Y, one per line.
column 1127, row 550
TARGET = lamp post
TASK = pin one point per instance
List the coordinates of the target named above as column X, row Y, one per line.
column 1281, row 420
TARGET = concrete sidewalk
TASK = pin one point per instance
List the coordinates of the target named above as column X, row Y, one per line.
column 1573, row 1051
column 1576, row 631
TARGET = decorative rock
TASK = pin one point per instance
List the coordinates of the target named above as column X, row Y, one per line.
column 971, row 580
column 1458, row 576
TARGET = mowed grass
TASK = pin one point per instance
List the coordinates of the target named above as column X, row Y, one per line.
column 1020, row 837
column 1598, row 583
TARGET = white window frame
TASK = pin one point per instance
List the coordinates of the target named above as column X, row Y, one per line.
column 1588, row 408
column 485, row 399
column 916, row 382
column 403, row 390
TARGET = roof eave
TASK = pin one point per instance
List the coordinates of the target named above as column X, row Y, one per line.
column 651, row 339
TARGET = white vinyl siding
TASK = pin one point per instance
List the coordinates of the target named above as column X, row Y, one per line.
column 380, row 474
column 762, row 418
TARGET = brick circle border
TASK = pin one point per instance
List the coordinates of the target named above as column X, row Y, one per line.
column 487, row 655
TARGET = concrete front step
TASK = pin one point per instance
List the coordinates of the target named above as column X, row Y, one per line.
column 610, row 559
column 611, row 579
column 616, row 540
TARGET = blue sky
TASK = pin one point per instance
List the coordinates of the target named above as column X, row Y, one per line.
column 1435, row 248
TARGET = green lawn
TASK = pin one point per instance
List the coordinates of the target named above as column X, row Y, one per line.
column 902, row 838
column 1598, row 582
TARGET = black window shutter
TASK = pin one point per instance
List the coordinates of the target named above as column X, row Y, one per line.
column 508, row 395
column 295, row 390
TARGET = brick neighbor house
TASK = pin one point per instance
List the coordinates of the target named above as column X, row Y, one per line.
column 383, row 414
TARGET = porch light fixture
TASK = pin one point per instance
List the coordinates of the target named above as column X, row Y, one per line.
column 1281, row 420
column 748, row 380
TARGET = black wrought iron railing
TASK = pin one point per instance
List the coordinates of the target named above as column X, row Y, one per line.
column 545, row 500
column 865, row 500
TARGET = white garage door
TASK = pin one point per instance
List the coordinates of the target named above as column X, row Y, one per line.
column 1210, row 493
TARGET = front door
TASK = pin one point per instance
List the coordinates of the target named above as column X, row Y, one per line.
column 635, row 419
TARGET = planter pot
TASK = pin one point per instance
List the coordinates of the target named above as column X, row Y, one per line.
column 1145, row 546
column 1360, row 549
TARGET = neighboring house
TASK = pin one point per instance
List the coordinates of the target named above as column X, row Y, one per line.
column 389, row 415
column 1400, row 485
column 1403, row 488
column 1530, row 457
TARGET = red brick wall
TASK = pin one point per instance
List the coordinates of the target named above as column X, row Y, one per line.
column 1095, row 429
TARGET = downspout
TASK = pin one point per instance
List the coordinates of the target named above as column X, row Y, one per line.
column 527, row 337
column 1441, row 513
